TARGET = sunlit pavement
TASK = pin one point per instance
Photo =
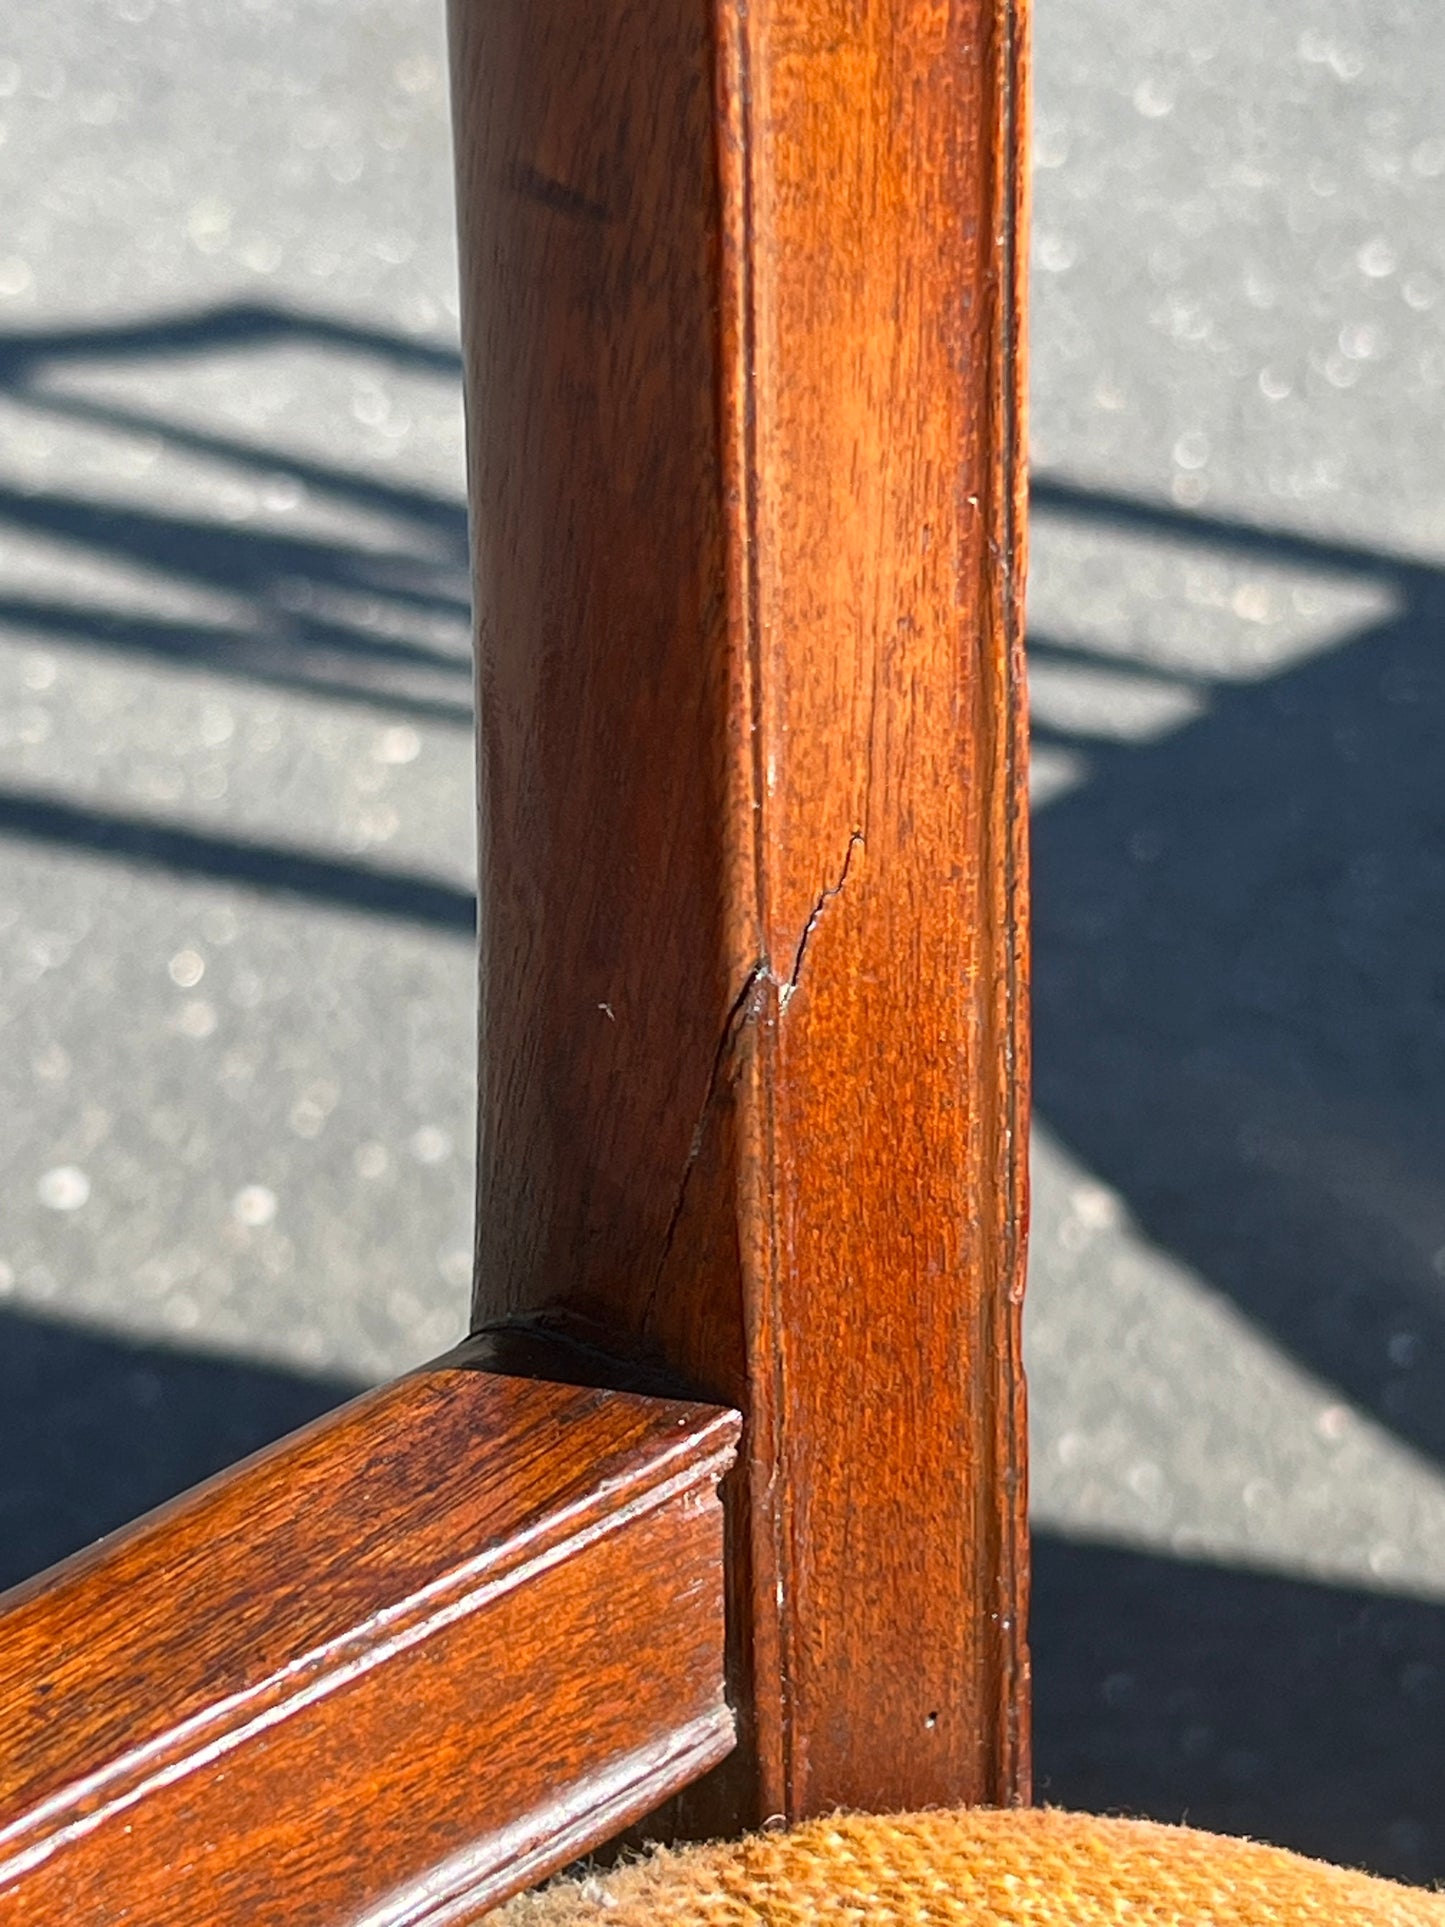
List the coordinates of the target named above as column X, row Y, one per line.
column 235, row 833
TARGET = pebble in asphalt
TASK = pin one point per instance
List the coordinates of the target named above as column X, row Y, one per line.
column 235, row 833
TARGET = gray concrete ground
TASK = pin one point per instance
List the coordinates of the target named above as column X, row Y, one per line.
column 235, row 976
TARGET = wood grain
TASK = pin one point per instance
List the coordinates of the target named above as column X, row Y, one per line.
column 742, row 296
column 388, row 1672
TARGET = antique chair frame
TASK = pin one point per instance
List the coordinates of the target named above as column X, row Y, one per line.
column 743, row 333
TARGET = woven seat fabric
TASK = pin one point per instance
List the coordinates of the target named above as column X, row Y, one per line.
column 1020, row 1868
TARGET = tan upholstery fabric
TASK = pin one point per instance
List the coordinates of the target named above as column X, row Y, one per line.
column 978, row 1869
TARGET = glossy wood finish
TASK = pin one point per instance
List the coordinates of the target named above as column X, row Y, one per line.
column 741, row 307
column 388, row 1672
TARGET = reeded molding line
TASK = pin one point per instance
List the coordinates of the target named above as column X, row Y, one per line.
column 231, row 1722
column 593, row 1808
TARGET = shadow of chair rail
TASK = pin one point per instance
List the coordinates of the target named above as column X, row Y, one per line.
column 353, row 620
column 1307, row 1715
column 1240, row 983
column 271, row 868
column 95, row 1429
column 1240, row 1028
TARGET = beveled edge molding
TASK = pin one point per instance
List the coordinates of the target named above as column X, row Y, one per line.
column 235, row 1622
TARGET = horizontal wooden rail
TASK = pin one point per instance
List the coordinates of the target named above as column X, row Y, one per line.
column 388, row 1671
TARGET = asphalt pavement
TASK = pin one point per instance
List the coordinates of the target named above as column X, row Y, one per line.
column 236, row 845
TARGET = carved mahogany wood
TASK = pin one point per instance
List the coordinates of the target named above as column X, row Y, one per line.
column 741, row 312
column 385, row 1674
column 742, row 292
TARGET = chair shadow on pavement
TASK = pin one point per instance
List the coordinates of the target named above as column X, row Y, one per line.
column 95, row 1430
column 1240, row 1024
column 354, row 621
column 1304, row 1714
column 317, row 608
column 1240, row 985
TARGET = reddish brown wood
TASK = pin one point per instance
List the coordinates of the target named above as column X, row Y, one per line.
column 742, row 303
column 387, row 1672
column 741, row 306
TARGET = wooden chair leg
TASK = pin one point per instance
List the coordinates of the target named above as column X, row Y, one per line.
column 742, row 311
